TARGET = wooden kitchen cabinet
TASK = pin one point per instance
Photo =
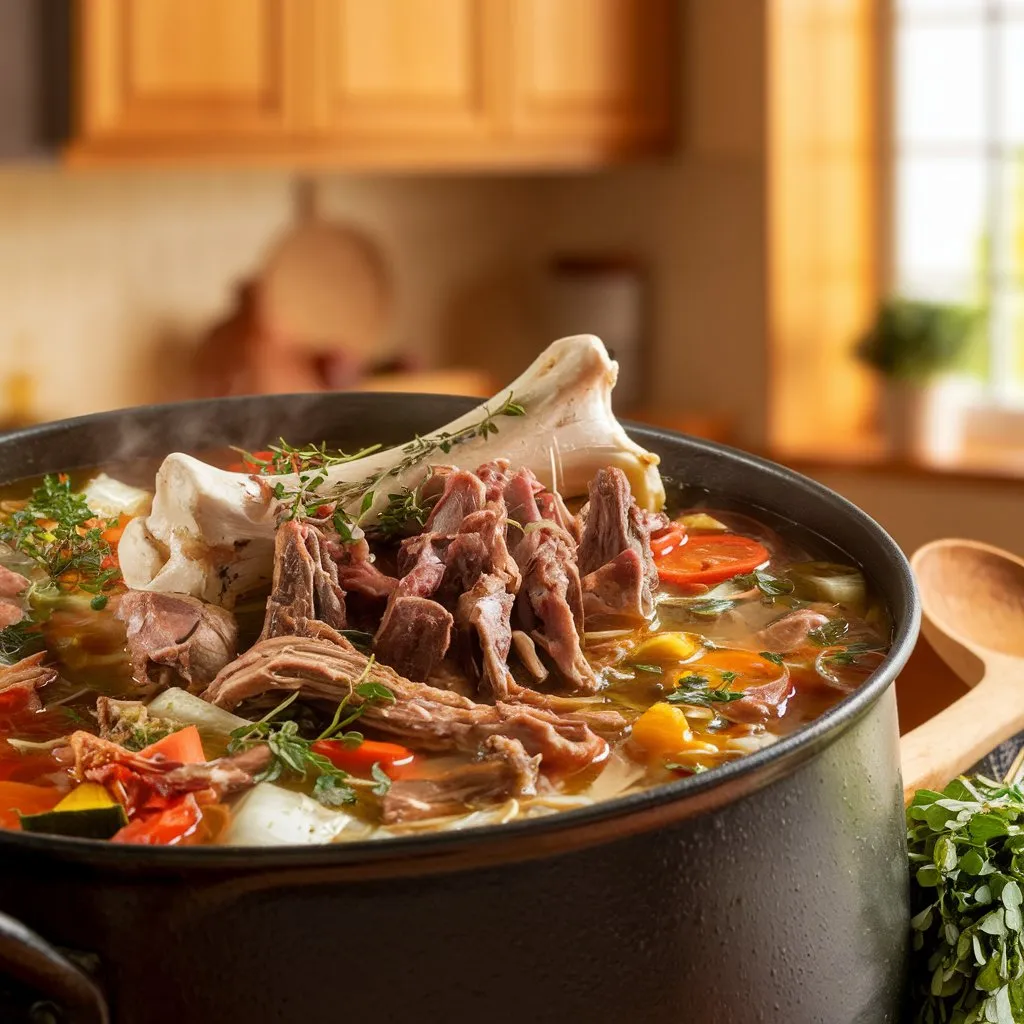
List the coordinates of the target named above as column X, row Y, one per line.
column 407, row 83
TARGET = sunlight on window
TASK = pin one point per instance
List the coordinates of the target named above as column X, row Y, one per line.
column 959, row 176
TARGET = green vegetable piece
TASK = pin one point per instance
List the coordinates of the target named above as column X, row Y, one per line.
column 93, row 823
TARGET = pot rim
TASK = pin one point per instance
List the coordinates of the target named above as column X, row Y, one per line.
column 548, row 834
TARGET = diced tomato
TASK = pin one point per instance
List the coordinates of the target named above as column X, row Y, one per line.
column 20, row 797
column 393, row 758
column 667, row 540
column 185, row 746
column 711, row 558
column 113, row 530
column 167, row 827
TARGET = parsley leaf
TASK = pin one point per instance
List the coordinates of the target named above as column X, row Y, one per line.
column 769, row 585
column 655, row 670
column 830, row 634
column 696, row 691
column 772, row 656
column 19, row 641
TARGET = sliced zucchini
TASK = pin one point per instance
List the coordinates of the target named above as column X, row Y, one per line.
column 89, row 823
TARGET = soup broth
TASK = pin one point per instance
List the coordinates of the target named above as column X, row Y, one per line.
column 113, row 727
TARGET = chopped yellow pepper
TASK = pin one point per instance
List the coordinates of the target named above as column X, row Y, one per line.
column 666, row 647
column 86, row 797
column 662, row 730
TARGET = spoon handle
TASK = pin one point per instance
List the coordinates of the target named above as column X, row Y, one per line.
column 958, row 736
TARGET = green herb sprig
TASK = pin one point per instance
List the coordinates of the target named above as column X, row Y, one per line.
column 56, row 528
column 19, row 641
column 293, row 754
column 696, row 691
column 966, row 848
column 769, row 585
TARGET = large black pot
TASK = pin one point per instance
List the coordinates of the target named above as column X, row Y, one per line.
column 773, row 889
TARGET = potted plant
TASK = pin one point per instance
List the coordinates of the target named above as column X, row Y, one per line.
column 916, row 346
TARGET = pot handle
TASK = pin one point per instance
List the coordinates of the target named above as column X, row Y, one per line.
column 31, row 960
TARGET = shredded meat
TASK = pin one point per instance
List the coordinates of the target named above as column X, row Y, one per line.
column 485, row 634
column 760, row 703
column 20, row 682
column 478, row 548
column 413, row 636
column 552, row 508
column 612, row 523
column 120, row 719
column 422, row 717
column 618, row 589
column 421, row 562
column 789, row 632
column 495, row 475
column 527, row 651
column 176, row 640
column 464, row 492
column 520, row 496
column 305, row 582
column 550, row 603
column 504, row 771
column 357, row 573
column 138, row 779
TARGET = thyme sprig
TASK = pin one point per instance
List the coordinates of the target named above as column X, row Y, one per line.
column 57, row 529
column 19, row 641
column 299, row 501
column 696, row 691
column 293, row 754
column 287, row 458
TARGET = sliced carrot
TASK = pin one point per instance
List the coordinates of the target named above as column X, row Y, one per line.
column 711, row 558
column 167, row 827
column 741, row 669
column 114, row 528
column 21, row 798
column 392, row 757
column 185, row 746
column 667, row 540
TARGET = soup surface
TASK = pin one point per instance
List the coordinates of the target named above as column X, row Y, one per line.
column 479, row 651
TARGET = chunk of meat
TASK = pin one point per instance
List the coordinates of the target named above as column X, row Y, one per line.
column 612, row 524
column 413, row 636
column 526, row 649
column 305, row 582
column 11, row 585
column 421, row 563
column 175, row 639
column 553, row 508
column 485, row 634
column 495, row 475
column 504, row 771
column 422, row 717
column 20, row 683
column 357, row 573
column 789, row 632
column 120, row 720
column 760, row 703
column 520, row 496
column 138, row 780
column 618, row 589
column 464, row 492
column 550, row 603
column 478, row 549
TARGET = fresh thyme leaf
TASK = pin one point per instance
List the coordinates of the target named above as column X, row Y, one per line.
column 376, row 692
column 362, row 642
column 772, row 656
column 830, row 634
column 19, row 641
column 850, row 654
column 286, row 458
column 769, row 585
column 965, row 848
column 696, row 691
column 74, row 715
column 58, row 530
column 382, row 779
column 403, row 510
column 656, row 670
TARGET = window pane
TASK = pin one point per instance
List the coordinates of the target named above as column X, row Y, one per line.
column 1012, row 64
column 940, row 83
column 940, row 220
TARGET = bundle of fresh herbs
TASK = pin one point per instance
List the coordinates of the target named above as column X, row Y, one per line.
column 966, row 848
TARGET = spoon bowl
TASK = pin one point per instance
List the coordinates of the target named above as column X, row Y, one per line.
column 972, row 598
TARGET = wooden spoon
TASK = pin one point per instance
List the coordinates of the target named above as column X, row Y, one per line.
column 972, row 597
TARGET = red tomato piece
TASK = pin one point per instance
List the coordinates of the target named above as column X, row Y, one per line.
column 168, row 827
column 711, row 558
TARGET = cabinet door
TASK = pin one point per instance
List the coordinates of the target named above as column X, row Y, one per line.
column 175, row 68
column 404, row 69
column 595, row 70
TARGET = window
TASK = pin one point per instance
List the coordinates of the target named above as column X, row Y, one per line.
column 959, row 170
